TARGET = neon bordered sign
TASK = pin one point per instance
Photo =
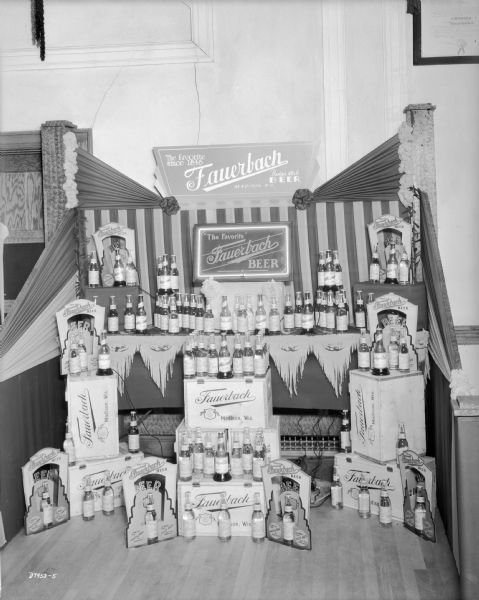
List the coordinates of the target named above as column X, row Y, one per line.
column 242, row 252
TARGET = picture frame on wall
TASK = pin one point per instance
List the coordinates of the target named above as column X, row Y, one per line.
column 445, row 32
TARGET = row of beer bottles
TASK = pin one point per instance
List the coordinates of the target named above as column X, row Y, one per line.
column 330, row 272
column 397, row 271
column 199, row 361
column 198, row 458
column 379, row 360
column 124, row 273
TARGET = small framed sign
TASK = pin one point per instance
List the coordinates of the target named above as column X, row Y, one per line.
column 242, row 251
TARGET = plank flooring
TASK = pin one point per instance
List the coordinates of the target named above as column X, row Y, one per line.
column 351, row 559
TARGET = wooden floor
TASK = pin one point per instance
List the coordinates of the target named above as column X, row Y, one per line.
column 351, row 558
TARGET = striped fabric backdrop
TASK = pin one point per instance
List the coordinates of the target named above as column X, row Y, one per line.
column 335, row 225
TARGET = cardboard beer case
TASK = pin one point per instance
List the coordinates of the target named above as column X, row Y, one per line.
column 205, row 500
column 93, row 414
column 350, row 466
column 95, row 469
column 271, row 436
column 228, row 403
column 378, row 404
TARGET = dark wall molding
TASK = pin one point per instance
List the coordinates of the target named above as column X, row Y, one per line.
column 467, row 335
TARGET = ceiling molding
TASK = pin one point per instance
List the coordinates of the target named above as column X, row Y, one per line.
column 198, row 49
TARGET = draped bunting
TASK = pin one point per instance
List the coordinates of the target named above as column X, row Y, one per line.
column 289, row 353
column 54, row 269
column 372, row 177
column 333, row 353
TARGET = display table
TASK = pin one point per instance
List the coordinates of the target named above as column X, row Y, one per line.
column 307, row 372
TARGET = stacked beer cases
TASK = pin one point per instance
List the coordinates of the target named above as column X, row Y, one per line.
column 378, row 405
column 227, row 405
column 93, row 417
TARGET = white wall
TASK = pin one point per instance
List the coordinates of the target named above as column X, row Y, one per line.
column 339, row 71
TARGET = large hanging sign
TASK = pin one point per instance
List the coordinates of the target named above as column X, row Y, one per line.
column 242, row 252
column 243, row 170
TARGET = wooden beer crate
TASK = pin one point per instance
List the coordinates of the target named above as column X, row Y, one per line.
column 95, row 469
column 205, row 500
column 378, row 404
column 93, row 414
column 228, row 403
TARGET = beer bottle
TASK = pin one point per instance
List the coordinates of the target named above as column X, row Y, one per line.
column 298, row 311
column 338, row 271
column 329, row 273
column 380, row 357
column 236, row 457
column 198, row 453
column 374, row 267
column 392, row 266
column 288, row 315
column 88, row 501
column 104, row 359
column 258, row 458
column 403, row 271
column 82, row 353
column 345, row 433
column 259, row 361
column 129, row 316
column 93, row 272
column 330, row 314
column 307, row 317
column 364, row 356
column 403, row 355
column 288, row 522
column 119, row 275
column 393, row 352
column 226, row 319
column 151, row 522
column 131, row 274
column 222, row 473
column 209, row 458
column 364, row 498
column 247, row 453
column 260, row 316
column 173, row 317
column 112, row 318
column 46, row 508
column 189, row 520
column 201, row 359
column 192, row 324
column 234, row 315
column 184, row 460
column 341, row 315
column 69, row 446
column 360, row 311
column 140, row 317
column 189, row 361
column 274, row 327
column 402, row 443
column 212, row 358
column 185, row 321
column 224, row 360
column 248, row 357
column 108, row 496
column 200, row 314
column 321, row 270
column 242, row 317
column 209, row 318
column 238, row 358
column 174, row 275
column 74, row 365
column 385, row 509
column 258, row 523
column 336, row 490
column 419, row 514
column 224, row 520
column 250, row 318
column 133, row 434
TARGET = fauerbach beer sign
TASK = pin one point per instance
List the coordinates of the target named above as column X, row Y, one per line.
column 243, row 252
column 243, row 170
